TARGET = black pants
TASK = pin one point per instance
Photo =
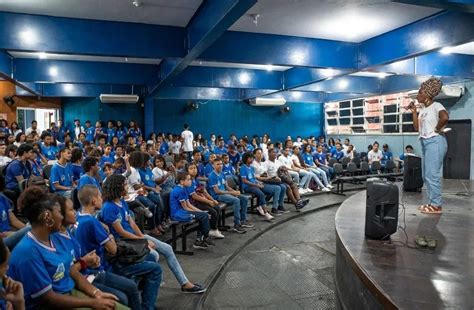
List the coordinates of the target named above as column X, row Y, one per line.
column 214, row 212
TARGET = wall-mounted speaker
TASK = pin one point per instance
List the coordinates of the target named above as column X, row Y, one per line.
column 9, row 100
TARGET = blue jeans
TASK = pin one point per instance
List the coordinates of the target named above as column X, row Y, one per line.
column 149, row 273
column 12, row 240
column 319, row 174
column 152, row 206
column 433, row 149
column 281, row 197
column 305, row 178
column 167, row 251
column 239, row 205
column 270, row 190
column 125, row 289
column 159, row 207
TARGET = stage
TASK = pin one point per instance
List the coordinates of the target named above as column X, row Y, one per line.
column 379, row 274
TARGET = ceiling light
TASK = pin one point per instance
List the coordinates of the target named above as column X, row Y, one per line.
column 42, row 55
column 429, row 41
column 269, row 67
column 352, row 25
column 328, row 72
column 343, row 84
column 446, row 50
column 28, row 36
column 298, row 57
column 53, row 71
column 296, row 94
column 68, row 88
column 244, row 78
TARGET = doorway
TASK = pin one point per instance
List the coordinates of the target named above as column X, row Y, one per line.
column 457, row 163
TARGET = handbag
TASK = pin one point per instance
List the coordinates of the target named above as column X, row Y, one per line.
column 129, row 251
column 284, row 175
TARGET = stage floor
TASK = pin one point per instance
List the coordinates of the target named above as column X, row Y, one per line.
column 405, row 277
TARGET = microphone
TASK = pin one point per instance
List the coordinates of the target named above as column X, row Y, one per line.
column 411, row 105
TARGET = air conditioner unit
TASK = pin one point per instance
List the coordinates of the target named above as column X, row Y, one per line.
column 448, row 91
column 267, row 102
column 111, row 98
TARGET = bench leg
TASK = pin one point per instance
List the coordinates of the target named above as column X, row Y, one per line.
column 222, row 225
column 184, row 234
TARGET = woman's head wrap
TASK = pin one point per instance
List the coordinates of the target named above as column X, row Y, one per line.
column 431, row 87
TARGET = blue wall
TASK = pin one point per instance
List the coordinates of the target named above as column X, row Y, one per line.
column 92, row 109
column 226, row 117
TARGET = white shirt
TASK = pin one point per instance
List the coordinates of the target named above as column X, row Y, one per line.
column 375, row 156
column 259, row 167
column 133, row 179
column 158, row 173
column 188, row 138
column 296, row 159
column 29, row 130
column 4, row 160
column 77, row 131
column 272, row 167
column 428, row 119
column 285, row 161
column 174, row 147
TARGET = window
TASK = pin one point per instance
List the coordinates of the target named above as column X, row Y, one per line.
column 381, row 114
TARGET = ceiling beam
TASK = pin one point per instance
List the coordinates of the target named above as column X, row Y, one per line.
column 81, row 90
column 454, row 5
column 65, row 71
column 346, row 84
column 423, row 36
column 24, row 32
column 212, row 19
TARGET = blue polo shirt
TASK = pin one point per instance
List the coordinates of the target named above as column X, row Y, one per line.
column 178, row 195
column 16, row 168
column 5, row 209
column 40, row 268
column 121, row 133
column 134, row 132
column 88, row 180
column 147, row 177
column 90, row 132
column 91, row 235
column 386, row 156
column 112, row 212
column 110, row 134
column 164, row 148
column 76, row 171
column 216, row 179
column 228, row 169
column 308, row 159
column 220, row 151
column 320, row 157
column 62, row 175
column 200, row 169
column 192, row 189
column 234, row 159
column 338, row 154
column 208, row 169
column 247, row 172
column 106, row 159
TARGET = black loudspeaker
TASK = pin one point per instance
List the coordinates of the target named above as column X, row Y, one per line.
column 412, row 177
column 381, row 217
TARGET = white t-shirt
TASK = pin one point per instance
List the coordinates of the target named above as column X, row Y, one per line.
column 285, row 161
column 29, row 130
column 428, row 119
column 272, row 167
column 174, row 147
column 158, row 173
column 4, row 160
column 133, row 179
column 295, row 159
column 375, row 156
column 259, row 167
column 188, row 138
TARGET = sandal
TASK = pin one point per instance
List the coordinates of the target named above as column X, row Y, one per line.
column 431, row 210
column 423, row 206
column 431, row 243
column 421, row 241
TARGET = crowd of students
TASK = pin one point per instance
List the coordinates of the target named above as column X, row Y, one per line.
column 60, row 257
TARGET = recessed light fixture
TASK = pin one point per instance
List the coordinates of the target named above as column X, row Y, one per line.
column 269, row 67
column 42, row 55
column 429, row 41
column 53, row 71
column 244, row 78
column 343, row 84
column 328, row 72
column 28, row 36
column 298, row 57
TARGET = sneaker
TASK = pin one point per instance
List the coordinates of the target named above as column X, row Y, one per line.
column 247, row 224
column 216, row 234
column 309, row 190
column 301, row 191
column 268, row 217
column 209, row 241
column 196, row 289
column 238, row 229
column 305, row 201
column 325, row 189
column 282, row 210
column 330, row 186
column 275, row 212
column 148, row 213
column 260, row 210
column 200, row 244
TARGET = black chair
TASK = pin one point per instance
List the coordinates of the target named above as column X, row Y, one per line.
column 345, row 161
column 331, row 162
column 47, row 171
column 376, row 166
column 390, row 166
column 356, row 161
column 364, row 167
column 352, row 169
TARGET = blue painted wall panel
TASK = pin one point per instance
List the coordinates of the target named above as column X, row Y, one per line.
column 226, row 117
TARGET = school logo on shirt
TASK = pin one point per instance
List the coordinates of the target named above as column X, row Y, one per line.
column 63, row 178
column 4, row 216
column 147, row 177
column 59, row 274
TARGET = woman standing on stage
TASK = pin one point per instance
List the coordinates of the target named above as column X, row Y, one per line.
column 430, row 123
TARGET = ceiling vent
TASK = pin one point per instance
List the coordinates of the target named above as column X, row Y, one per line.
column 267, row 102
column 111, row 98
column 447, row 92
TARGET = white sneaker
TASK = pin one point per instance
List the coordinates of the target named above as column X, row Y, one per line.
column 301, row 191
column 216, row 234
column 309, row 190
column 330, row 186
column 260, row 211
column 268, row 217
column 325, row 189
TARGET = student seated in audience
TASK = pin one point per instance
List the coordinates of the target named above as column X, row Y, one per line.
column 76, row 163
column 61, row 180
column 408, row 152
column 117, row 216
column 161, row 176
column 67, row 243
column 121, row 132
column 228, row 169
column 200, row 198
column 11, row 228
column 299, row 175
column 47, row 148
column 197, row 160
column 308, row 162
column 315, row 174
column 221, row 191
column 374, row 155
column 33, row 130
column 337, row 153
column 251, row 185
column 91, row 173
column 279, row 174
column 175, row 146
column 220, row 149
column 19, row 169
column 20, row 139
column 93, row 236
column 89, row 131
column 4, row 159
column 271, row 183
column 12, row 296
column 349, row 152
column 45, row 269
column 107, row 156
column 183, row 211
column 386, row 155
